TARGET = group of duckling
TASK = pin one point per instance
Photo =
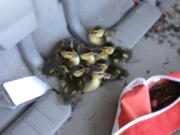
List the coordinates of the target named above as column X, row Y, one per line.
column 81, row 68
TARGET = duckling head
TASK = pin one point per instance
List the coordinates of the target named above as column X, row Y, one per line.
column 103, row 64
column 68, row 53
column 64, row 43
column 98, row 73
column 69, row 95
column 77, row 45
column 121, row 55
column 108, row 48
column 100, row 54
column 87, row 55
column 96, row 36
column 109, row 34
column 63, row 69
column 78, row 71
column 126, row 55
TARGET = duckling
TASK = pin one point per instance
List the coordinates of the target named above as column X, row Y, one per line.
column 73, row 43
column 77, row 45
column 62, row 71
column 98, row 35
column 93, row 80
column 63, row 43
column 70, row 43
column 100, row 54
column 70, row 95
column 72, row 56
column 108, row 48
column 74, row 85
column 88, row 56
column 120, row 55
column 51, row 64
column 103, row 64
column 78, row 71
column 116, row 72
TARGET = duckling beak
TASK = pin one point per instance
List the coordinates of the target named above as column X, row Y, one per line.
column 95, row 54
column 107, row 76
column 87, row 69
column 75, row 54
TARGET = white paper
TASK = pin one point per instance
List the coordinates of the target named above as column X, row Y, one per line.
column 25, row 89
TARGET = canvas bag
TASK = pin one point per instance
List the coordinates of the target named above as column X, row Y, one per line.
column 134, row 115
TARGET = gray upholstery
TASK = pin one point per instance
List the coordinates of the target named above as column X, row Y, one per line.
column 94, row 12
column 40, row 120
column 11, row 67
column 136, row 24
column 51, row 25
column 7, row 115
column 13, row 15
column 82, row 15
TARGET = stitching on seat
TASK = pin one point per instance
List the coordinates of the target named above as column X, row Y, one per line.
column 45, row 115
column 57, row 104
column 34, row 128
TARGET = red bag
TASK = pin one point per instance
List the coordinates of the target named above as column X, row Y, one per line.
column 134, row 115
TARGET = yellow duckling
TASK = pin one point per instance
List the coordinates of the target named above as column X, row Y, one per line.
column 100, row 54
column 63, row 43
column 51, row 64
column 116, row 72
column 72, row 56
column 120, row 55
column 78, row 71
column 69, row 42
column 108, row 48
column 62, row 71
column 103, row 64
column 93, row 81
column 98, row 35
column 88, row 56
column 77, row 45
column 74, row 85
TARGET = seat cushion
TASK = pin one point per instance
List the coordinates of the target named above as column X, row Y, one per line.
column 42, row 118
column 15, row 17
column 7, row 115
column 11, row 67
column 105, row 12
column 52, row 26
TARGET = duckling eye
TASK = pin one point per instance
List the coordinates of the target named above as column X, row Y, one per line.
column 97, row 28
column 66, row 53
column 106, row 47
column 101, row 74
column 95, row 32
column 98, row 33
column 69, row 53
